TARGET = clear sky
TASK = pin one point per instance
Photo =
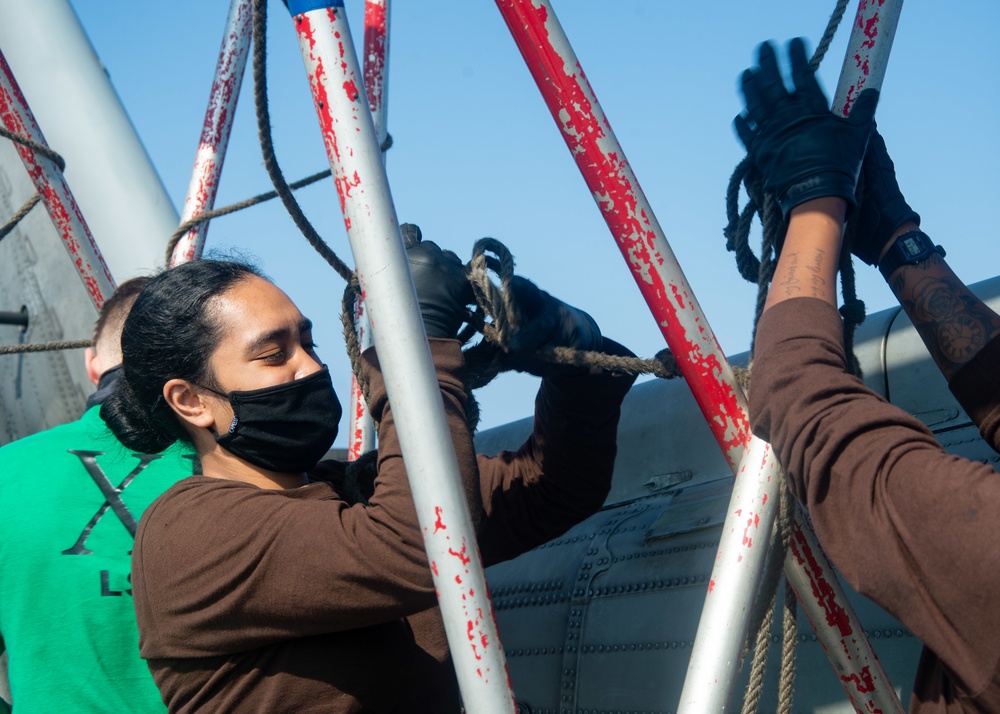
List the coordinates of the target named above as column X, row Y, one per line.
column 476, row 152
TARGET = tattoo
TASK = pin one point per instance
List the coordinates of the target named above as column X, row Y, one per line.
column 816, row 284
column 952, row 322
column 790, row 284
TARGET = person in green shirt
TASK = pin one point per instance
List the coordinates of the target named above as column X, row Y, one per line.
column 72, row 497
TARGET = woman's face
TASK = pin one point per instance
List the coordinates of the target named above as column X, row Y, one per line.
column 264, row 339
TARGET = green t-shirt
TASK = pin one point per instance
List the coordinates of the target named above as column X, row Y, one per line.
column 71, row 497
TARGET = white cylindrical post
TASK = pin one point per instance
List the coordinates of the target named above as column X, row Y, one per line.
column 72, row 98
column 407, row 367
column 216, row 128
column 732, row 588
column 50, row 183
column 602, row 162
column 376, row 73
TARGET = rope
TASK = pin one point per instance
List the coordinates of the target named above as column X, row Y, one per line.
column 45, row 347
column 786, row 679
column 33, row 201
column 187, row 225
column 763, row 617
column 19, row 216
column 36, row 147
column 267, row 144
column 496, row 317
column 763, row 205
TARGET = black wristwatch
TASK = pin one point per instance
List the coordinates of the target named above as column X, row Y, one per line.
column 909, row 248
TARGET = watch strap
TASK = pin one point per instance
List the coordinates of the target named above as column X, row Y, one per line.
column 909, row 248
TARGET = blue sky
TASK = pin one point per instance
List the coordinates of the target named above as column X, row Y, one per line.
column 476, row 153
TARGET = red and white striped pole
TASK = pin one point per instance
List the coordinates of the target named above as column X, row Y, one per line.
column 600, row 158
column 411, row 381
column 216, row 128
column 376, row 74
column 51, row 184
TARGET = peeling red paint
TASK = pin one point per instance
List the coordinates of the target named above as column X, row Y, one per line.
column 351, row 90
column 462, row 554
column 609, row 177
column 863, row 682
column 215, row 131
column 711, row 585
column 438, row 523
column 824, row 593
column 50, row 183
column 375, row 46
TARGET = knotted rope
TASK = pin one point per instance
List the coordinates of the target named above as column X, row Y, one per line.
column 496, row 317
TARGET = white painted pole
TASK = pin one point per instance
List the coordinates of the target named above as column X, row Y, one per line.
column 216, row 129
column 602, row 162
column 407, row 368
column 376, row 73
column 17, row 118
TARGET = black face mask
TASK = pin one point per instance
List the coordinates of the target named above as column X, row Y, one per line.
column 285, row 428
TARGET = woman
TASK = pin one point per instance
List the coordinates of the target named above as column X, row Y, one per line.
column 257, row 586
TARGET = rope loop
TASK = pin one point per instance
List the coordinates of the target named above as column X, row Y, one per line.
column 496, row 317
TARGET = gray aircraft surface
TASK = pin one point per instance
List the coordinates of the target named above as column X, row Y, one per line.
column 600, row 620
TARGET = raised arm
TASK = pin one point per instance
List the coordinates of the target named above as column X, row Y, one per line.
column 954, row 324
column 898, row 515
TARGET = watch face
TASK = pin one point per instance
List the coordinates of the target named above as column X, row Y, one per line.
column 912, row 246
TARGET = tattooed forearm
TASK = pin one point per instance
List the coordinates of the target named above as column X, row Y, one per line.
column 953, row 323
column 790, row 283
column 817, row 285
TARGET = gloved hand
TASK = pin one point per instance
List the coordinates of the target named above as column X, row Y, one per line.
column 547, row 322
column 803, row 149
column 443, row 291
column 883, row 208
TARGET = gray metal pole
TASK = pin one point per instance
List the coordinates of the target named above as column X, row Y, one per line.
column 410, row 378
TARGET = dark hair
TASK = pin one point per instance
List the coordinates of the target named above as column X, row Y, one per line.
column 170, row 333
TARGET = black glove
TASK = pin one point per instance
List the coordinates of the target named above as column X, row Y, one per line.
column 803, row 149
column 883, row 208
column 443, row 291
column 547, row 322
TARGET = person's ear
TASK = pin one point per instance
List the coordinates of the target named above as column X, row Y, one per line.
column 189, row 402
column 93, row 366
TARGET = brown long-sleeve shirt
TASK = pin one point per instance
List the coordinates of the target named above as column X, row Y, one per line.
column 912, row 527
column 296, row 600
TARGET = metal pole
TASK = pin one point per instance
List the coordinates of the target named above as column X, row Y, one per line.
column 50, row 183
column 600, row 158
column 376, row 73
column 71, row 96
column 215, row 130
column 807, row 567
column 407, row 368
column 732, row 588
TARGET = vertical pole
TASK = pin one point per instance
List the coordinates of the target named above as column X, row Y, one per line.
column 216, row 128
column 50, row 183
column 409, row 374
column 376, row 74
column 600, row 158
